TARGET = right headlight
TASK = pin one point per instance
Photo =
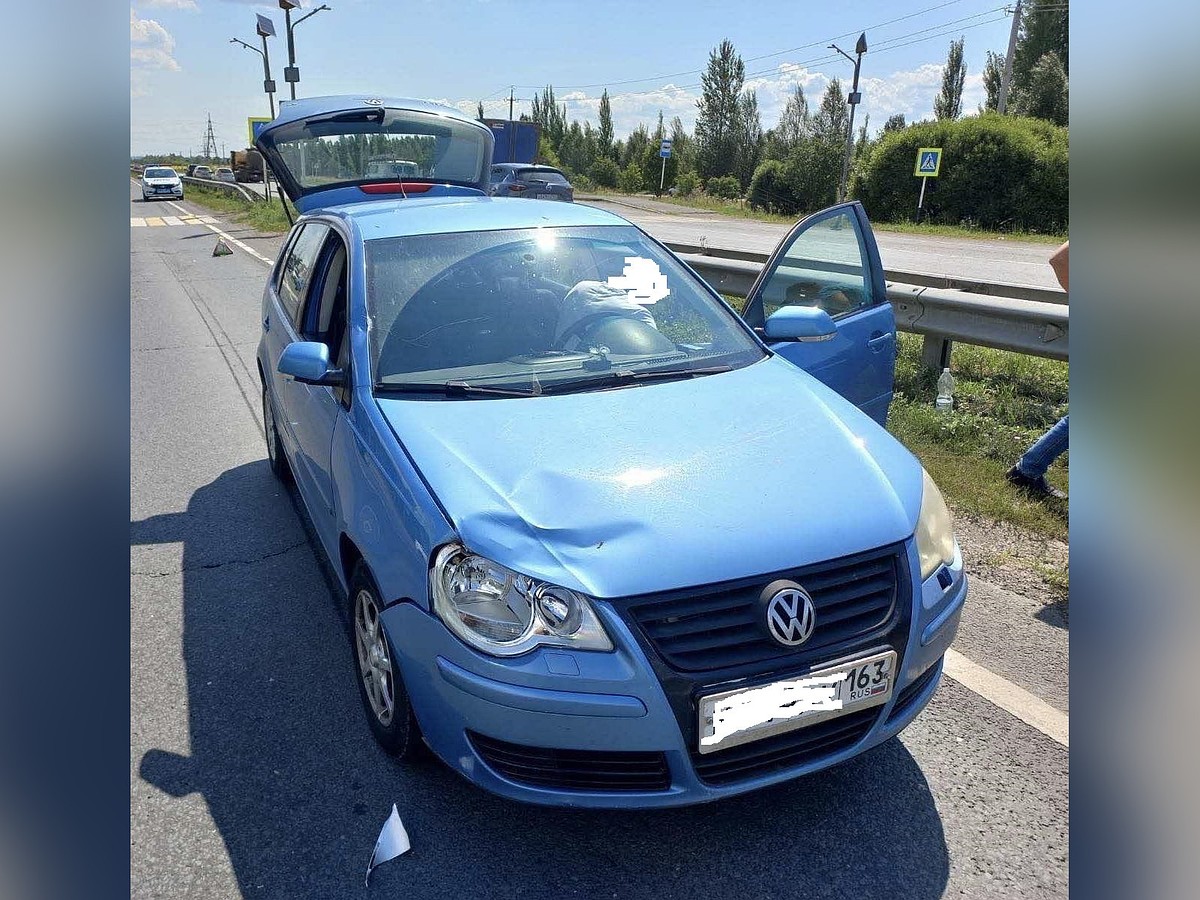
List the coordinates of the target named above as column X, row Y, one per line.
column 505, row 613
column 935, row 530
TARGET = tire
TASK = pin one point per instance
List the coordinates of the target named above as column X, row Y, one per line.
column 275, row 454
column 380, row 686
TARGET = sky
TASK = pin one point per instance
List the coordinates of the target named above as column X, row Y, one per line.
column 649, row 55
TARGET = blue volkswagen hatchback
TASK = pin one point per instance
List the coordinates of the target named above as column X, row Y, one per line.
column 604, row 542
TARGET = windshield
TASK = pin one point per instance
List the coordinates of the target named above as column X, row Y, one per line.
column 160, row 173
column 381, row 145
column 530, row 308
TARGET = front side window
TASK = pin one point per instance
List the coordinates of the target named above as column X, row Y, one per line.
column 823, row 267
column 531, row 308
column 297, row 270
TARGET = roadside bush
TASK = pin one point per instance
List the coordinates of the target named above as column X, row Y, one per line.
column 687, row 183
column 767, row 188
column 629, row 181
column 604, row 172
column 582, row 183
column 998, row 172
column 726, row 187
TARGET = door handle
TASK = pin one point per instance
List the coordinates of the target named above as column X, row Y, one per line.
column 267, row 324
column 880, row 341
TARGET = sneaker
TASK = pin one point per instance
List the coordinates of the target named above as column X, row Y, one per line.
column 1039, row 486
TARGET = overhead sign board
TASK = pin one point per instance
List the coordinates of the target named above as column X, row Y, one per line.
column 664, row 149
column 254, row 127
column 929, row 162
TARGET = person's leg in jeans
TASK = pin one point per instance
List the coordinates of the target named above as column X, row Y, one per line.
column 1030, row 470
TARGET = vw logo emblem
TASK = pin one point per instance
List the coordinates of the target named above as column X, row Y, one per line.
column 373, row 101
column 791, row 616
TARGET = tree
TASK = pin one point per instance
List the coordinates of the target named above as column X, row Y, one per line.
column 793, row 127
column 1044, row 95
column 1043, row 30
column 749, row 137
column 480, row 116
column 895, row 123
column 683, row 148
column 605, row 138
column 993, row 74
column 718, row 121
column 551, row 117
column 948, row 103
column 830, row 120
column 861, row 143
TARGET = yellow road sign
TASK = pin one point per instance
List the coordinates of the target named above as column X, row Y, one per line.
column 929, row 162
column 251, row 130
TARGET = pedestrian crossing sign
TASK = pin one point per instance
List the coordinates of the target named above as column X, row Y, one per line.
column 929, row 162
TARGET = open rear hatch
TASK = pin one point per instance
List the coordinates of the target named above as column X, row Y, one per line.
column 326, row 151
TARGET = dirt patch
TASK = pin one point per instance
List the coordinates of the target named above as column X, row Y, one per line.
column 1015, row 559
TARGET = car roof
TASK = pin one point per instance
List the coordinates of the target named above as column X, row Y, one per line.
column 451, row 215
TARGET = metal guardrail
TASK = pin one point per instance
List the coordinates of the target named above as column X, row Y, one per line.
column 942, row 315
column 971, row 286
column 225, row 186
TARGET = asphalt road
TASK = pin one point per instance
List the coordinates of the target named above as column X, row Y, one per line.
column 1008, row 262
column 253, row 772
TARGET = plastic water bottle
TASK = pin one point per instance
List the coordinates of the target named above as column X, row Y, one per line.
column 945, row 394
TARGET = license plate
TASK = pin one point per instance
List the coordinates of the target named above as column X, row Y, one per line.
column 546, row 196
column 739, row 716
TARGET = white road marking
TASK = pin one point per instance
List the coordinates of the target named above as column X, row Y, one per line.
column 171, row 220
column 136, row 222
column 211, row 227
column 1009, row 697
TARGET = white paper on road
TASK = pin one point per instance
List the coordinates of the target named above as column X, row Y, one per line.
column 393, row 841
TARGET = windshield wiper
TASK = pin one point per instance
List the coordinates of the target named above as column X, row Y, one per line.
column 626, row 376
column 450, row 389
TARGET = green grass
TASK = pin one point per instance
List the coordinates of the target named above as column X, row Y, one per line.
column 1003, row 403
column 266, row 217
column 742, row 211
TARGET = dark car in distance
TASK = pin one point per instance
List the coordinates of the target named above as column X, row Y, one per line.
column 530, row 181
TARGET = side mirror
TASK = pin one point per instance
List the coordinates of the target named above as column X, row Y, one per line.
column 308, row 362
column 799, row 323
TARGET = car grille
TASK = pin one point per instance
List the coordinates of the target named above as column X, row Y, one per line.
column 722, row 626
column 574, row 770
column 905, row 698
column 783, row 751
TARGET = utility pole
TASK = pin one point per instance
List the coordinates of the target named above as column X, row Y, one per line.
column 510, row 123
column 854, row 99
column 1006, row 78
column 291, row 72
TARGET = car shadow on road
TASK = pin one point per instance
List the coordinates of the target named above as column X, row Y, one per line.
column 282, row 756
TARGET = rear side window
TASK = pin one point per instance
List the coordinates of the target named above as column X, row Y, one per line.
column 549, row 176
column 297, row 269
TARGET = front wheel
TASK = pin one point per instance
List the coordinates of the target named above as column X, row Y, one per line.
column 279, row 465
column 379, row 683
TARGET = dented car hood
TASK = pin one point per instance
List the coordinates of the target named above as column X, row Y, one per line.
column 663, row 486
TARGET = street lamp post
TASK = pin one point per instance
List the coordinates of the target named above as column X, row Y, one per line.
column 266, row 29
column 291, row 73
column 854, row 99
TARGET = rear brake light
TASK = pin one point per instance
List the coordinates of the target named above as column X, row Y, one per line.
column 395, row 187
column 517, row 187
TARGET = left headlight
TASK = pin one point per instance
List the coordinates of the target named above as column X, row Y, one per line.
column 935, row 530
column 505, row 613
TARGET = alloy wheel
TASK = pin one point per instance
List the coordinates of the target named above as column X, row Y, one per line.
column 374, row 660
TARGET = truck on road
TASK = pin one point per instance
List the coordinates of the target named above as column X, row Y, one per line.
column 247, row 165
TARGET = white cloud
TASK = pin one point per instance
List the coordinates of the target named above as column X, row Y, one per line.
column 151, row 45
column 172, row 4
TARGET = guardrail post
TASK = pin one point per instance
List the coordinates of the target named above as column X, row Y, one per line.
column 935, row 352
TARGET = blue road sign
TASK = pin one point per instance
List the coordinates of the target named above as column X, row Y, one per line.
column 929, row 162
column 664, row 149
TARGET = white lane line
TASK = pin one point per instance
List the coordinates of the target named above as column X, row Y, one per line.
column 228, row 237
column 1009, row 697
column 136, row 222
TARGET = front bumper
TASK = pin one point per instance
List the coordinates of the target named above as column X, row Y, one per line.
column 610, row 704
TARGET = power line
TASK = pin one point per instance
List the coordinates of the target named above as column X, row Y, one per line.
column 821, row 43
